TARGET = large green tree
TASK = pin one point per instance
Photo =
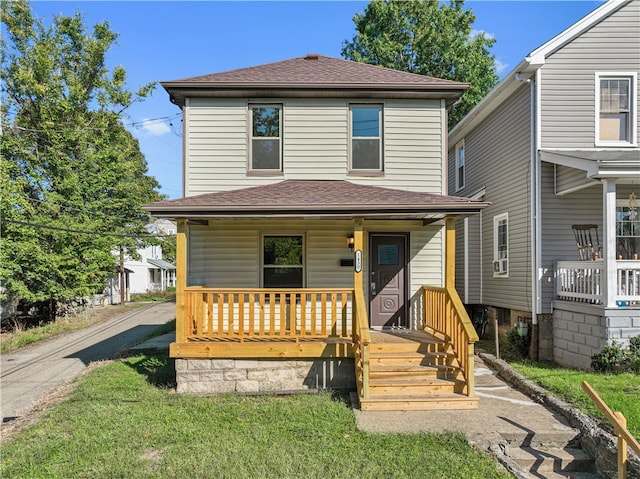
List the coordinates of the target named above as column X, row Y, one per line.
column 73, row 178
column 429, row 38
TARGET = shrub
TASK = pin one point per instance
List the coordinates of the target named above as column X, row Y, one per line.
column 615, row 359
column 517, row 346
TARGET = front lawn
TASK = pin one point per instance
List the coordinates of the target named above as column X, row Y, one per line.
column 122, row 422
column 621, row 392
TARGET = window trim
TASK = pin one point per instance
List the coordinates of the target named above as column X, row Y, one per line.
column 362, row 171
column 460, row 146
column 623, row 203
column 633, row 92
column 496, row 222
column 251, row 171
column 304, row 255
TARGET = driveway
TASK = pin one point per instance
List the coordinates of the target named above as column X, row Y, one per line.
column 29, row 374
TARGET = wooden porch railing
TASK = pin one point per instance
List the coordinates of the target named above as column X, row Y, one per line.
column 583, row 281
column 444, row 314
column 229, row 313
column 362, row 341
column 620, row 427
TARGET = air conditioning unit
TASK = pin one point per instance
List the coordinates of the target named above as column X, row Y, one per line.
column 500, row 266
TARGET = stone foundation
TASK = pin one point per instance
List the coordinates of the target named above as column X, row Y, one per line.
column 219, row 376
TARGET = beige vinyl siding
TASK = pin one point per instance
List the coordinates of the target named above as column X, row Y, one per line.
column 497, row 155
column 568, row 78
column 570, row 179
column 315, row 144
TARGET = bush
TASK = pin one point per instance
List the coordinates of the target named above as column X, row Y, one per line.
column 517, row 346
column 615, row 359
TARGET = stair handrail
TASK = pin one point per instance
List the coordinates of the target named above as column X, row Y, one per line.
column 448, row 317
column 361, row 340
column 620, row 428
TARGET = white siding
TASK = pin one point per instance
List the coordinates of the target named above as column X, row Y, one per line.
column 315, row 144
column 568, row 78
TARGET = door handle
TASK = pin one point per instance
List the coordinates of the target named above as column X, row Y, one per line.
column 373, row 288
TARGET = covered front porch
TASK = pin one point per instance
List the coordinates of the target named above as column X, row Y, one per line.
column 240, row 329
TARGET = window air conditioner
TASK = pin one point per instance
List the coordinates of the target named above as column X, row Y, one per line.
column 500, row 266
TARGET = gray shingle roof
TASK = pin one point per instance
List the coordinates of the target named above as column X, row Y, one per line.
column 315, row 198
column 313, row 72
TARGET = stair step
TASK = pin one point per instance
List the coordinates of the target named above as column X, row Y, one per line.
column 378, row 369
column 551, row 459
column 413, row 402
column 408, row 347
column 408, row 358
column 543, row 440
column 413, row 385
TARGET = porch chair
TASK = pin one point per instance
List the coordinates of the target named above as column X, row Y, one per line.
column 587, row 247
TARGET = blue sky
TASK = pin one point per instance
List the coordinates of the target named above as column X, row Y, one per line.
column 169, row 40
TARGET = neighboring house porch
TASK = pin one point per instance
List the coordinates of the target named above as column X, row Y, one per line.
column 322, row 284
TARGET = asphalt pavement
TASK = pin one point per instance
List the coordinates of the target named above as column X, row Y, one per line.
column 28, row 374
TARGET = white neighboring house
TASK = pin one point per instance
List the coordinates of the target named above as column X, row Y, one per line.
column 151, row 272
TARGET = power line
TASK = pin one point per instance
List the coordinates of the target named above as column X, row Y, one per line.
column 70, row 230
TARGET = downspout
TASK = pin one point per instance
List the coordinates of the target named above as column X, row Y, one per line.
column 534, row 208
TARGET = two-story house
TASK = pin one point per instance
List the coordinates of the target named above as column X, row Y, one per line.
column 315, row 238
column 554, row 150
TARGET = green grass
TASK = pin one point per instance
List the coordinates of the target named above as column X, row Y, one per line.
column 20, row 336
column 169, row 295
column 122, row 422
column 621, row 392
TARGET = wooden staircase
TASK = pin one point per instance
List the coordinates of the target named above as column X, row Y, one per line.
column 411, row 370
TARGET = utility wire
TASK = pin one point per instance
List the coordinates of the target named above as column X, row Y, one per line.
column 70, row 230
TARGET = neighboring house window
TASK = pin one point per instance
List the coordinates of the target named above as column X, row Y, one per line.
column 366, row 138
column 282, row 261
column 501, row 245
column 460, row 163
column 266, row 138
column 615, row 100
column 628, row 229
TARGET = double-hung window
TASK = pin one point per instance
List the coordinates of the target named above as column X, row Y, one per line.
column 366, row 138
column 501, row 245
column 282, row 261
column 628, row 228
column 460, row 165
column 615, row 109
column 265, row 144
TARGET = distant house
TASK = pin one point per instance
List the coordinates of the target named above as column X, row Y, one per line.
column 554, row 150
column 151, row 272
column 315, row 239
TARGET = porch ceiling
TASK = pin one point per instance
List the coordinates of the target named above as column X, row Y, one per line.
column 623, row 163
column 317, row 199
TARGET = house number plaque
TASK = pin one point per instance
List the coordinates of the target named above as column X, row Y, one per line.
column 358, row 264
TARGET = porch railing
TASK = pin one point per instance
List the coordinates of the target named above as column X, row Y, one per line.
column 444, row 314
column 241, row 314
column 583, row 281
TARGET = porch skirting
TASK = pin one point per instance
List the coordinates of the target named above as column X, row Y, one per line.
column 221, row 376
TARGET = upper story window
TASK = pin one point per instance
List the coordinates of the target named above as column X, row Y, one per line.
column 501, row 245
column 266, row 138
column 366, row 138
column 460, row 165
column 283, row 261
column 615, row 100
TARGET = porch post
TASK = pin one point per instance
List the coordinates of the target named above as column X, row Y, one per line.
column 181, row 278
column 610, row 280
column 450, row 253
column 358, row 245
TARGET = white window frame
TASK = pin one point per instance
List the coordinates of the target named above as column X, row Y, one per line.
column 460, row 165
column 620, row 204
column 352, row 137
column 633, row 92
column 497, row 220
column 303, row 266
column 265, row 171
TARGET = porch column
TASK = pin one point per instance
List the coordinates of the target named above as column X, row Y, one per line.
column 181, row 278
column 609, row 280
column 358, row 246
column 450, row 253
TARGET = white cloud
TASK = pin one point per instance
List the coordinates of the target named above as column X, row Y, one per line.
column 476, row 33
column 501, row 67
column 155, row 127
